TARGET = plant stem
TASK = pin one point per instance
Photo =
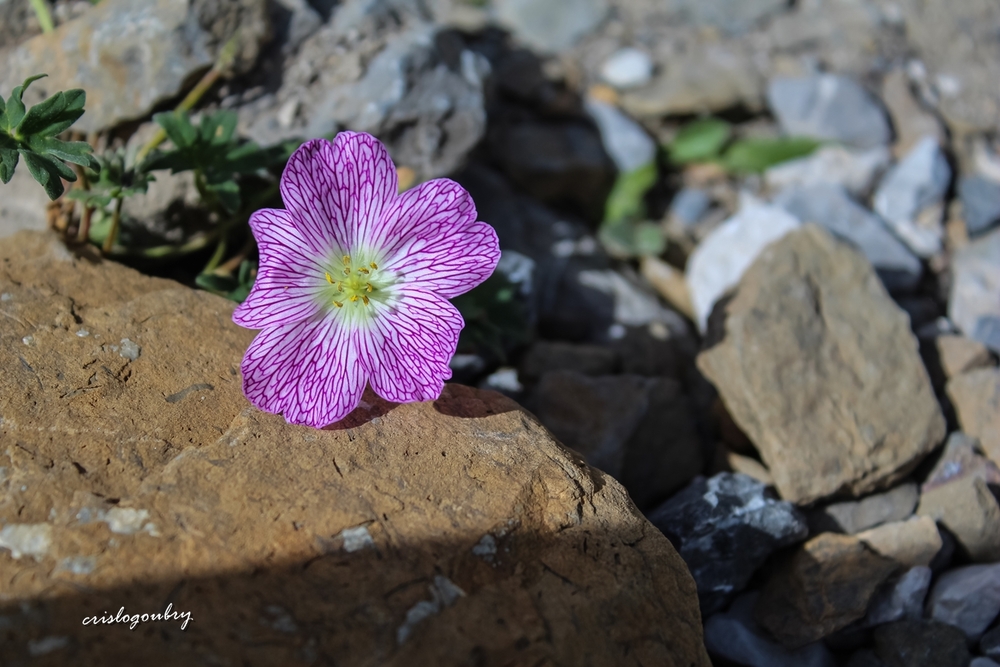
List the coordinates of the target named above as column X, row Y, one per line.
column 116, row 218
column 44, row 17
column 234, row 262
column 220, row 252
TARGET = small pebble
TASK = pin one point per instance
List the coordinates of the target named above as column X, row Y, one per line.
column 6, row 296
column 28, row 340
column 82, row 333
column 627, row 68
column 129, row 350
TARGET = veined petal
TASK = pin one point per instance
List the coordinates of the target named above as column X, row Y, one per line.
column 310, row 190
column 309, row 371
column 431, row 237
column 407, row 349
column 366, row 181
column 285, row 287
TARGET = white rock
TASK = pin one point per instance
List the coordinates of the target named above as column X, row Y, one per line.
column 853, row 169
column 26, row 539
column 720, row 260
column 624, row 139
column 910, row 197
column 627, row 68
column 356, row 539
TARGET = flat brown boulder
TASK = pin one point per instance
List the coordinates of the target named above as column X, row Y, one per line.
column 135, row 479
column 819, row 368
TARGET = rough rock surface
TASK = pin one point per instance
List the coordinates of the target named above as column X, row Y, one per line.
column 921, row 644
column 820, row 370
column 130, row 55
column 973, row 305
column 438, row 533
column 825, row 585
column 976, row 397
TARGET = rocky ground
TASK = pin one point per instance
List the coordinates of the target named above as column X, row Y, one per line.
column 799, row 392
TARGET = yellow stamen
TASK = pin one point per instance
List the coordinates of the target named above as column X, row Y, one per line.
column 354, row 297
column 347, row 271
column 369, row 287
column 373, row 265
column 365, row 299
column 338, row 304
column 363, row 270
column 347, row 260
column 329, row 278
column 340, row 286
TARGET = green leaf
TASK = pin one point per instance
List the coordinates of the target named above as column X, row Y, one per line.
column 626, row 200
column 700, row 141
column 178, row 128
column 8, row 161
column 77, row 152
column 54, row 115
column 217, row 129
column 633, row 239
column 245, row 273
column 758, row 154
column 15, row 107
column 216, row 283
column 228, row 194
column 48, row 172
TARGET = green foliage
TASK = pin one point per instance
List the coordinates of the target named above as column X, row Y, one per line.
column 496, row 319
column 235, row 288
column 31, row 134
column 215, row 154
column 625, row 232
column 627, row 198
column 755, row 155
column 700, row 141
column 633, row 239
column 114, row 180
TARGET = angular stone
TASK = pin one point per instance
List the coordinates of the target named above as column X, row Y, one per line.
column 976, row 397
column 853, row 169
column 824, row 585
column 627, row 68
column 551, row 26
column 830, row 206
column 989, row 645
column 130, row 55
column 639, row 430
column 734, row 636
column 828, row 106
column 23, row 204
column 546, row 356
column 962, row 457
column 900, row 599
column 726, row 16
column 980, row 203
column 972, row 304
column 371, row 543
column 624, row 140
column 819, row 368
column 725, row 528
column 967, row 598
column 855, row 516
column 911, row 195
column 914, row 542
column 909, row 119
column 921, row 644
column 959, row 354
column 967, row 508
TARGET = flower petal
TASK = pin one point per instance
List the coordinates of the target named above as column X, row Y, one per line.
column 285, row 288
column 430, row 235
column 367, row 183
column 308, row 370
column 309, row 189
column 407, row 350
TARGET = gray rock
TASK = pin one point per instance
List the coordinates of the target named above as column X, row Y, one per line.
column 962, row 457
column 980, row 203
column 830, row 206
column 921, row 644
column 967, row 598
column 864, row 658
column 983, row 662
column 828, row 106
column 627, row 68
column 546, row 356
column 294, row 21
column 915, row 542
column 970, row 512
column 639, row 430
column 901, row 598
column 688, row 206
column 855, row 516
column 973, row 305
column 820, row 369
column 624, row 139
column 719, row 261
column 634, row 304
column 130, row 55
column 975, row 396
column 23, row 204
column 731, row 17
column 553, row 25
column 910, row 120
column 725, row 528
column 735, row 636
column 911, row 195
column 853, row 169
column 989, row 645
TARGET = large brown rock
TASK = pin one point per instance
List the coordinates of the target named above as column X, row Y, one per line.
column 819, row 368
column 135, row 475
column 976, row 397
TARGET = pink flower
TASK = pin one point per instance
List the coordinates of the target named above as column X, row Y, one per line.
column 354, row 283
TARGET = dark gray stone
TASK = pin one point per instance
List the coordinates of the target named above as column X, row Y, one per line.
column 828, row 106
column 921, row 644
column 830, row 206
column 725, row 528
column 545, row 356
column 989, row 645
column 973, row 305
column 967, row 598
column 980, row 203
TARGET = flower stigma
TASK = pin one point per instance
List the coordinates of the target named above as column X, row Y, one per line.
column 355, row 283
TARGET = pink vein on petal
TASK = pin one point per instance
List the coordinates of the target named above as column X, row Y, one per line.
column 310, row 190
column 309, row 371
column 366, row 180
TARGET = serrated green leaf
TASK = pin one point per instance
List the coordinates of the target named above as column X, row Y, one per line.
column 626, row 200
column 8, row 162
column 217, row 128
column 700, row 141
column 54, row 115
column 758, row 154
column 15, row 107
column 48, row 172
column 77, row 152
column 178, row 128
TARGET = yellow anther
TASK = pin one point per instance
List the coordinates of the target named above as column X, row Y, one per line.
column 369, row 287
column 347, row 271
column 340, row 286
column 365, row 299
column 347, row 260
column 373, row 265
column 338, row 304
column 354, row 297
column 329, row 278
column 363, row 270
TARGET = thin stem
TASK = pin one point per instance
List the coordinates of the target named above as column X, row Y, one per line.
column 116, row 218
column 220, row 252
column 234, row 262
column 44, row 17
column 83, row 234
